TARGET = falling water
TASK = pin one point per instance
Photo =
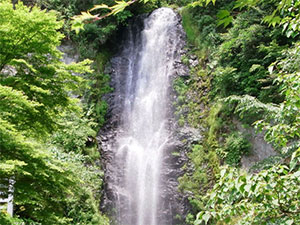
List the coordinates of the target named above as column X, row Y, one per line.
column 143, row 132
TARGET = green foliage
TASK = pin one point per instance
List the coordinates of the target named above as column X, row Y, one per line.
column 269, row 197
column 201, row 30
column 91, row 40
column 31, row 164
column 190, row 102
column 28, row 37
column 190, row 219
column 215, row 123
column 240, row 69
column 224, row 18
column 188, row 26
column 95, row 34
column 280, row 121
column 7, row 220
column 65, row 10
column 225, row 81
column 235, row 147
column 181, row 88
column 34, row 61
column 53, row 185
column 117, row 7
column 73, row 133
column 249, row 108
column 199, row 174
column 252, row 66
column 83, row 207
column 267, row 163
column 272, row 195
column 96, row 107
column 285, row 13
column 284, row 127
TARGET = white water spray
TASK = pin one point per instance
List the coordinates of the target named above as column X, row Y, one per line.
column 143, row 133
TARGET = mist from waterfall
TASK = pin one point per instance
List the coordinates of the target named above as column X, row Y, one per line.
column 143, row 132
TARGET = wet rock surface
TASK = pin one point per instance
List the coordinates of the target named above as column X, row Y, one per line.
column 69, row 51
column 260, row 148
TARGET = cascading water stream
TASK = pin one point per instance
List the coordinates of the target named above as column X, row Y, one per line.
column 143, row 131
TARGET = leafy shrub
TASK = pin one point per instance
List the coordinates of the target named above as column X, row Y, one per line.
column 243, row 57
column 199, row 175
column 73, row 133
column 236, row 145
column 269, row 197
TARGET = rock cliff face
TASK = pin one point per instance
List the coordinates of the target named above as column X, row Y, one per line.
column 260, row 148
column 141, row 188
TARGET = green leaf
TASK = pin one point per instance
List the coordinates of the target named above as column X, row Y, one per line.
column 226, row 21
column 223, row 14
column 102, row 6
column 120, row 6
column 255, row 67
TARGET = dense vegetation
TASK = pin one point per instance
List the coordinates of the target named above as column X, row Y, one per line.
column 44, row 132
column 247, row 76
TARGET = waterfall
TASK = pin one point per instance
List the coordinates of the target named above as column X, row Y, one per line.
column 142, row 85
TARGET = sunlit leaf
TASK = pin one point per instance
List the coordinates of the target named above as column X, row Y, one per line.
column 102, row 6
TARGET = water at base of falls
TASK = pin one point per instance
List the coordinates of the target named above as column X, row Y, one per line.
column 143, row 83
